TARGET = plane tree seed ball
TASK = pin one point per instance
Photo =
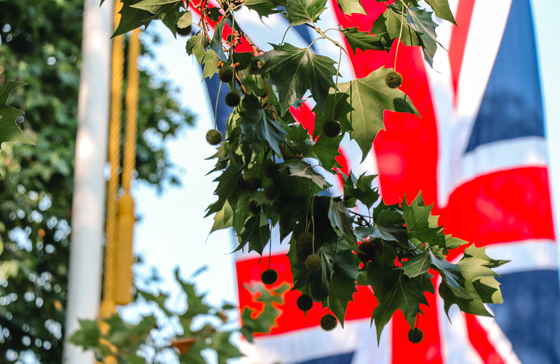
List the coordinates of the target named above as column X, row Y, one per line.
column 393, row 79
column 415, row 335
column 271, row 192
column 271, row 171
column 253, row 183
column 254, row 207
column 305, row 240
column 331, row 128
column 313, row 263
column 225, row 74
column 232, row 99
column 304, row 302
column 328, row 322
column 269, row 276
column 214, row 137
column 183, row 32
column 369, row 249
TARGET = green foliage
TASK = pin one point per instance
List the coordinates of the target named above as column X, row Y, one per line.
column 151, row 339
column 403, row 243
column 41, row 45
column 9, row 131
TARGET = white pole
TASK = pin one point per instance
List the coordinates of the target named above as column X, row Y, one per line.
column 88, row 208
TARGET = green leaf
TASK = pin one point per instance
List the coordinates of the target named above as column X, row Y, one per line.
column 442, row 10
column 304, row 11
column 370, row 97
column 339, row 217
column 9, row 131
column 406, row 294
column 224, row 348
column 256, row 234
column 259, row 126
column 361, row 40
column 301, row 169
column 420, row 223
column 263, row 7
column 295, row 70
column 382, row 37
column 216, row 43
column 343, row 283
column 227, row 182
column 153, row 6
column 185, row 21
column 210, row 63
column 325, row 150
column 266, row 320
column 417, row 265
column 421, row 21
column 195, row 302
column 351, row 7
column 362, row 189
column 88, row 335
column 158, row 299
column 223, row 219
column 131, row 18
column 196, row 45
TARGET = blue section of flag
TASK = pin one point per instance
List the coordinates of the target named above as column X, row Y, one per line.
column 512, row 104
column 334, row 359
column 530, row 315
column 213, row 84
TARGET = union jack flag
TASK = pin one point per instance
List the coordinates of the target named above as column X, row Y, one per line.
column 479, row 153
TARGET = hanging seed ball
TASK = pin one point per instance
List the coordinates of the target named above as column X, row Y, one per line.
column 328, row 322
column 367, row 247
column 331, row 128
column 253, row 183
column 393, row 79
column 214, row 137
column 271, row 192
column 232, row 99
column 415, row 335
column 242, row 182
column 305, row 240
column 304, row 302
column 271, row 171
column 183, row 32
column 225, row 74
column 269, row 276
column 313, row 263
column 254, row 207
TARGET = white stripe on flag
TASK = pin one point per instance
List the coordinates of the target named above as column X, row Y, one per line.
column 525, row 255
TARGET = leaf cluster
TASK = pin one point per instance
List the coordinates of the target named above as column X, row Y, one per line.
column 151, row 339
column 273, row 173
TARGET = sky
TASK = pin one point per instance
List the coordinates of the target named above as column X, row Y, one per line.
column 173, row 232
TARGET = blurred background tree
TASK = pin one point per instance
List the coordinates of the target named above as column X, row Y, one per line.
column 41, row 45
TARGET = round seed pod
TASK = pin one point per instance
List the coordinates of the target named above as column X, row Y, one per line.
column 225, row 74
column 271, row 171
column 242, row 182
column 328, row 322
column 214, row 137
column 313, row 263
column 369, row 248
column 253, row 183
column 331, row 128
column 269, row 276
column 232, row 99
column 304, row 302
column 184, row 32
column 393, row 79
column 415, row 335
column 254, row 207
column 305, row 240
column 271, row 192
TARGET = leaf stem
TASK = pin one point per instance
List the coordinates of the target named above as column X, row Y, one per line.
column 400, row 35
column 216, row 109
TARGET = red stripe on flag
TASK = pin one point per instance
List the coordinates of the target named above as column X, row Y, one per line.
column 505, row 206
column 479, row 339
column 459, row 40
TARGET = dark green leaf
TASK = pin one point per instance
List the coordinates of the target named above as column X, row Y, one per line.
column 343, row 283
column 296, row 70
column 325, row 150
column 256, row 234
column 153, row 6
column 216, row 43
column 417, row 265
column 263, row 7
column 442, row 10
column 339, row 217
column 361, row 40
column 301, row 169
column 421, row 21
column 337, row 107
column 259, row 126
column 266, row 320
column 88, row 335
column 304, row 11
column 196, row 45
column 131, row 18
column 351, row 7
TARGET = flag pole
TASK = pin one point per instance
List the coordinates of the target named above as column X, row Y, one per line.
column 88, row 207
